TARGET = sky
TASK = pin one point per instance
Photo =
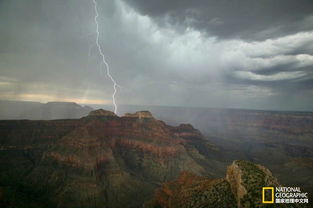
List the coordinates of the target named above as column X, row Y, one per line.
column 252, row 54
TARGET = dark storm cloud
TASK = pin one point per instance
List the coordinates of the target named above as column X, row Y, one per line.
column 248, row 19
column 158, row 52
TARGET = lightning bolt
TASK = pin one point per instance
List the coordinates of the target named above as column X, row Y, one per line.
column 115, row 85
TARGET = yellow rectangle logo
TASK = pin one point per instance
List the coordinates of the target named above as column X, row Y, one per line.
column 263, row 195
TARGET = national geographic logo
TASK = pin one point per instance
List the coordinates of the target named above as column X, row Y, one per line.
column 268, row 195
column 284, row 195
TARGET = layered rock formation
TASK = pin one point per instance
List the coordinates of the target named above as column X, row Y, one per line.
column 240, row 188
column 101, row 160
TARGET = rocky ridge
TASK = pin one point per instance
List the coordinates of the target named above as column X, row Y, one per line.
column 240, row 188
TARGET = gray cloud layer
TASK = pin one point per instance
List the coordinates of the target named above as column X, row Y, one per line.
column 247, row 54
column 252, row 19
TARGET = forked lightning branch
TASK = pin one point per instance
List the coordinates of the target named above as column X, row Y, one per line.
column 104, row 62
